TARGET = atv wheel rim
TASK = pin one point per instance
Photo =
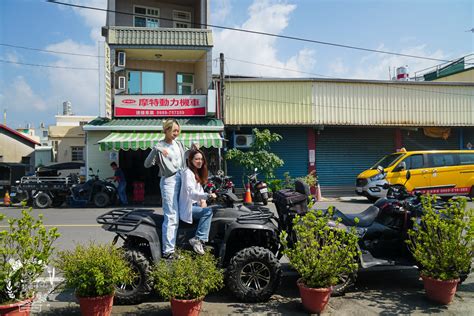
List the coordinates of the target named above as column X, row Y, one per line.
column 131, row 287
column 255, row 275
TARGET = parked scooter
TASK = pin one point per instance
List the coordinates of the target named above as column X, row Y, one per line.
column 219, row 182
column 258, row 189
column 99, row 192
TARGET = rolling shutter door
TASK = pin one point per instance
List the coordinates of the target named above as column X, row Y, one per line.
column 343, row 153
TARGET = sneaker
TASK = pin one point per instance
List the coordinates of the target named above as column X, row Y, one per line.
column 170, row 256
column 197, row 245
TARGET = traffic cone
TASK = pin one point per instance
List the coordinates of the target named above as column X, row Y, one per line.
column 6, row 199
column 248, row 195
column 319, row 197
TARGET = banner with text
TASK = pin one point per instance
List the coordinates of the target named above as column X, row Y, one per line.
column 160, row 105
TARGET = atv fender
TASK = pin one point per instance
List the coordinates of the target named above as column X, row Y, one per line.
column 153, row 242
column 268, row 228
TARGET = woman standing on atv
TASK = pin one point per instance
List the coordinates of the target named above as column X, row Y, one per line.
column 192, row 199
column 169, row 155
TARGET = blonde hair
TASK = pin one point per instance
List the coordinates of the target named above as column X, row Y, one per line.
column 168, row 124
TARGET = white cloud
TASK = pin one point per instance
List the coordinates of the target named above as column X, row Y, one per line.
column 93, row 19
column 78, row 86
column 270, row 16
column 377, row 66
column 19, row 96
column 337, row 67
column 221, row 10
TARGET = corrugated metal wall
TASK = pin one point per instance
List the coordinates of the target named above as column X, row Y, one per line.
column 343, row 153
column 292, row 149
column 268, row 103
column 384, row 103
column 417, row 140
column 393, row 104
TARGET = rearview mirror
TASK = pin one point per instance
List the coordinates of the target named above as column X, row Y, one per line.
column 408, row 175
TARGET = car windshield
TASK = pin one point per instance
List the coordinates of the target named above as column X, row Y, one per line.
column 387, row 161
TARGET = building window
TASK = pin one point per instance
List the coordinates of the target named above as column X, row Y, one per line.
column 77, row 153
column 145, row 82
column 146, row 17
column 45, row 133
column 25, row 160
column 181, row 19
column 185, row 83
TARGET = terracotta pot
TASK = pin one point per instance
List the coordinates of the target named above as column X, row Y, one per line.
column 21, row 308
column 186, row 307
column 314, row 300
column 96, row 306
column 438, row 290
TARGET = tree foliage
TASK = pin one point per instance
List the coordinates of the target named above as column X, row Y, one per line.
column 258, row 155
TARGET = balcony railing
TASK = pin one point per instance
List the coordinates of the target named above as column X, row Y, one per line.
column 119, row 35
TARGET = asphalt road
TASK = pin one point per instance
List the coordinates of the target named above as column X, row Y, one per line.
column 378, row 291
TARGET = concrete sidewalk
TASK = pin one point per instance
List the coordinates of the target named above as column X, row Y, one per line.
column 388, row 292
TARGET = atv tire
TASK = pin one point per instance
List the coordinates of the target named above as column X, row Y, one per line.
column 130, row 294
column 346, row 282
column 101, row 199
column 253, row 274
column 42, row 200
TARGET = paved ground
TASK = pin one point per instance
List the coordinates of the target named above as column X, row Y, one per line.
column 377, row 292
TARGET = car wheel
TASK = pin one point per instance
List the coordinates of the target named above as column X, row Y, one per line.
column 141, row 286
column 253, row 274
column 42, row 200
column 101, row 199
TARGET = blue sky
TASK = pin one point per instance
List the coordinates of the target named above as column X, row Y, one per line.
column 430, row 28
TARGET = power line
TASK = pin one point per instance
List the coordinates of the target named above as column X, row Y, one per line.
column 47, row 66
column 48, row 51
column 261, row 33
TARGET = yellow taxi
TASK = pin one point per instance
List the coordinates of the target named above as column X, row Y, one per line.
column 440, row 172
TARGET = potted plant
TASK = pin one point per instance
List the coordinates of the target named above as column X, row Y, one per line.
column 25, row 250
column 325, row 251
column 93, row 270
column 442, row 244
column 187, row 280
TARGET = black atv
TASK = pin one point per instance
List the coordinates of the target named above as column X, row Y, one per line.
column 243, row 238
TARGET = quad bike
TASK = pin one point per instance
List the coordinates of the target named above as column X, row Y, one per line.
column 100, row 193
column 243, row 238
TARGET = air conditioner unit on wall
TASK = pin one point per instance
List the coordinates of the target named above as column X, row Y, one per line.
column 243, row 141
column 121, row 59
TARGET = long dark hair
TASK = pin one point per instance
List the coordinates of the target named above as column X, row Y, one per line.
column 201, row 173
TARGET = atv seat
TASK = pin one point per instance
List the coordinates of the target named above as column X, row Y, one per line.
column 366, row 218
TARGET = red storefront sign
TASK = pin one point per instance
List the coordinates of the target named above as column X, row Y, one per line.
column 160, row 105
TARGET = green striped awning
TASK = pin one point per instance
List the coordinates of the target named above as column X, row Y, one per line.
column 134, row 141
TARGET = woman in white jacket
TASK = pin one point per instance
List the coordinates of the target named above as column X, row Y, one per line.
column 192, row 199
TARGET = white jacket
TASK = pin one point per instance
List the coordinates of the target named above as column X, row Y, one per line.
column 191, row 192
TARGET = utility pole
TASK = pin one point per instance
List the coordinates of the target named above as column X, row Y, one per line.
column 221, row 86
column 98, row 70
column 221, row 107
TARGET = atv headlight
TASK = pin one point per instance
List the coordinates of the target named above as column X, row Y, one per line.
column 378, row 177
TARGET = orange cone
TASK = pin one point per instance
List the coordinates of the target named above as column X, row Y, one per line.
column 248, row 195
column 6, row 199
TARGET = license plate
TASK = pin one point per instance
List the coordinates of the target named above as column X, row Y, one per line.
column 264, row 190
column 359, row 190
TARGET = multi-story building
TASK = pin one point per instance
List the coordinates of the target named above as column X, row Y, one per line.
column 158, row 60
column 68, row 138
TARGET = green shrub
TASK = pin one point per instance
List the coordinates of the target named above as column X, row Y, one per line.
column 25, row 251
column 94, row 270
column 442, row 242
column 190, row 277
column 324, row 251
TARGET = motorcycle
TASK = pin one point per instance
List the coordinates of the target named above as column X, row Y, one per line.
column 99, row 192
column 258, row 189
column 219, row 182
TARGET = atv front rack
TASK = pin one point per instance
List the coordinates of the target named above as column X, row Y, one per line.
column 119, row 221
